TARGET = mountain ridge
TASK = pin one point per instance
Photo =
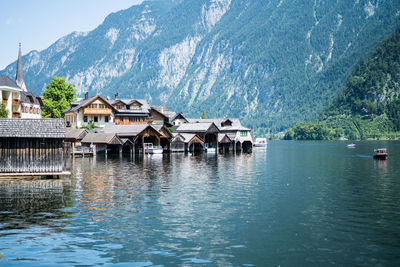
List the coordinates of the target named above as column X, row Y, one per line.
column 270, row 63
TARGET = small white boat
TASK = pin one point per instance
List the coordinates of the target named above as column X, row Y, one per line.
column 151, row 149
column 260, row 142
column 211, row 150
column 351, row 145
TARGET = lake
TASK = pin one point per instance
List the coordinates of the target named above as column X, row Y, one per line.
column 292, row 204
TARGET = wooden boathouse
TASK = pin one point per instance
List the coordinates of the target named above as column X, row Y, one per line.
column 31, row 147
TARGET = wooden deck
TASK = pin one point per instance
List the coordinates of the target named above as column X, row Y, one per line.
column 33, row 174
column 80, row 153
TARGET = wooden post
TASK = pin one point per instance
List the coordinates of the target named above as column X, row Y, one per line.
column 94, row 150
column 144, row 150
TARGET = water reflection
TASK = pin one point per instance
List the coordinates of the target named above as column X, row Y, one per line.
column 24, row 203
column 294, row 203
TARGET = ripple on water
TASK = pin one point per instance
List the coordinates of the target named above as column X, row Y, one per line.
column 294, row 203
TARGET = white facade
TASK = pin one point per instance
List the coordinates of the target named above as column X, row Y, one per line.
column 11, row 98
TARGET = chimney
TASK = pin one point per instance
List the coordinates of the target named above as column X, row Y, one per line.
column 116, row 96
column 86, row 95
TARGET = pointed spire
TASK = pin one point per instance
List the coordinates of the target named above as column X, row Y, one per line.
column 19, row 78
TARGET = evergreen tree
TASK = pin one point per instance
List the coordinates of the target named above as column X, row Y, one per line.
column 203, row 115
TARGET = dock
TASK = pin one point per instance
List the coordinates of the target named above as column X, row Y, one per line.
column 34, row 174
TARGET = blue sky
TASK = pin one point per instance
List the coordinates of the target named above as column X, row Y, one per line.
column 39, row 23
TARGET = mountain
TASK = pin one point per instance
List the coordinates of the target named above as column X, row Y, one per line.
column 271, row 63
column 368, row 106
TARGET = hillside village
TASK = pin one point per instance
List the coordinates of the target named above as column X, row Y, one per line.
column 120, row 125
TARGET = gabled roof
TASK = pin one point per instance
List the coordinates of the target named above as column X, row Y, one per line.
column 162, row 114
column 187, row 137
column 236, row 125
column 224, row 138
column 130, row 130
column 130, row 101
column 25, row 98
column 75, row 134
column 7, row 82
column 164, row 110
column 32, row 128
column 200, row 127
column 163, row 130
column 84, row 102
column 177, row 116
column 102, row 138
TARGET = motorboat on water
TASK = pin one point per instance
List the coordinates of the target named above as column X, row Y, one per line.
column 380, row 153
column 260, row 142
column 351, row 145
column 152, row 149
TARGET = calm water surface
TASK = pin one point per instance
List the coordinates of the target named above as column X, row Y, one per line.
column 292, row 204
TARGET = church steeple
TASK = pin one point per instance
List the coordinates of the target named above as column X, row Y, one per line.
column 19, row 78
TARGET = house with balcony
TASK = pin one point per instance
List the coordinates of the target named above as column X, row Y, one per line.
column 31, row 105
column 137, row 111
column 95, row 110
column 10, row 95
column 14, row 95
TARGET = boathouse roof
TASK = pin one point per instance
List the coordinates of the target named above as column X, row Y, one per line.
column 75, row 134
column 222, row 123
column 224, row 138
column 102, row 138
column 200, row 127
column 129, row 130
column 32, row 128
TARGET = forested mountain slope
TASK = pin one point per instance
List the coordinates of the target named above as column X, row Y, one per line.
column 271, row 63
column 368, row 106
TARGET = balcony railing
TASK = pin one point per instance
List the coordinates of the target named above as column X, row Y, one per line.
column 99, row 111
column 16, row 115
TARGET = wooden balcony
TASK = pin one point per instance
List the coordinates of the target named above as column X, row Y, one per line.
column 16, row 115
column 5, row 101
column 97, row 111
column 16, row 101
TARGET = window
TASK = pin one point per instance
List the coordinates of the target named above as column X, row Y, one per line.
column 105, row 118
column 85, row 119
column 243, row 133
column 96, row 119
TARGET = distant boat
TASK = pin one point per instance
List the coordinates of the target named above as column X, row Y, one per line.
column 380, row 153
column 351, row 145
column 260, row 142
column 151, row 149
column 343, row 139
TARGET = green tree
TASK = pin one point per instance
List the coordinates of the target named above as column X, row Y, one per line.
column 203, row 115
column 3, row 111
column 57, row 98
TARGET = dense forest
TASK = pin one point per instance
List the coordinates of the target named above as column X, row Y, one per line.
column 368, row 106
